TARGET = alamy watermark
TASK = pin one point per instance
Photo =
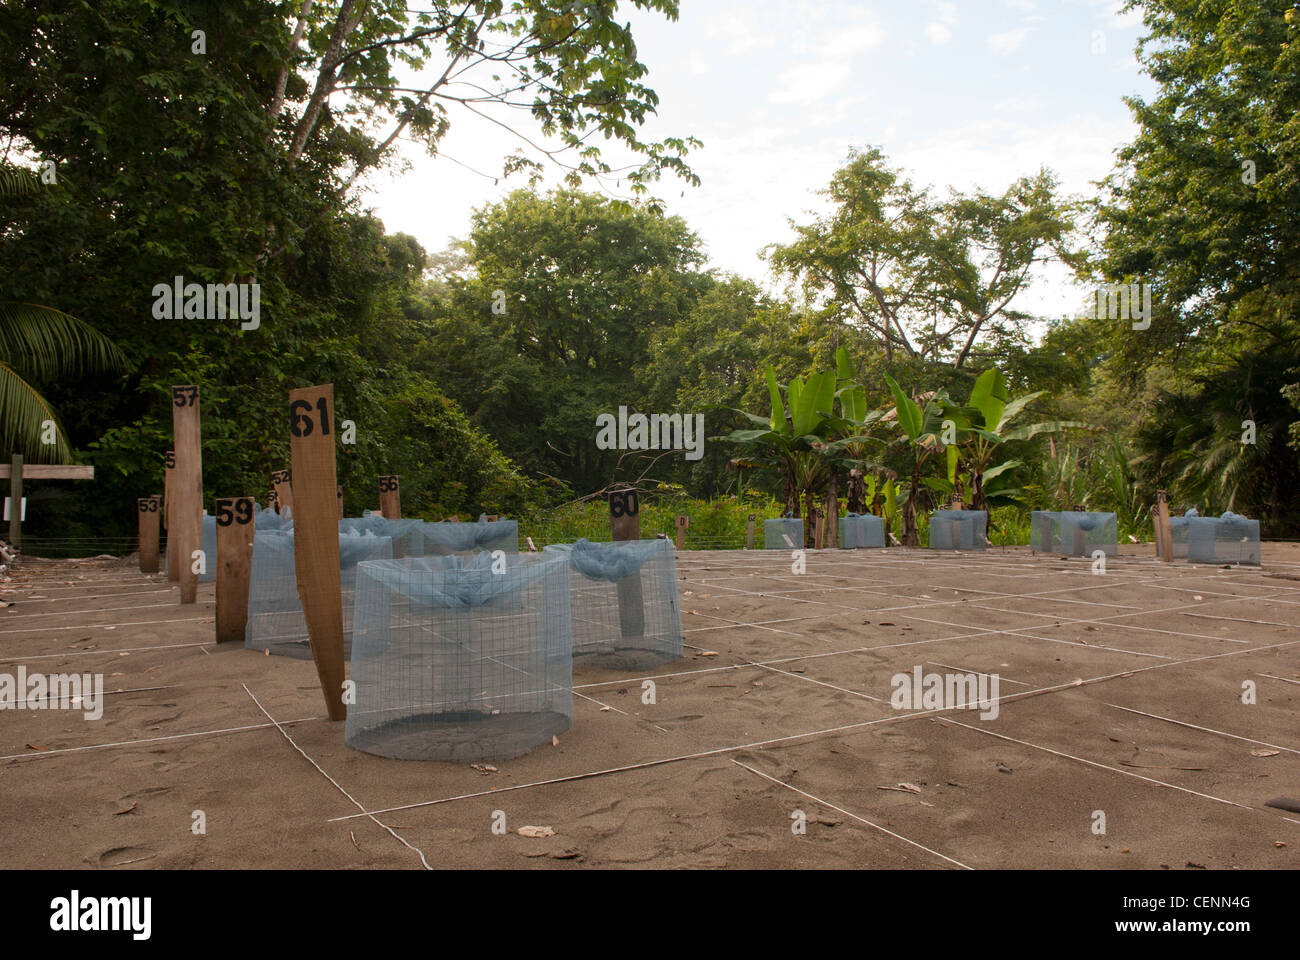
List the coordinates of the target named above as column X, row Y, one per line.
column 946, row 691
column 54, row 691
column 1130, row 301
column 179, row 300
column 658, row 431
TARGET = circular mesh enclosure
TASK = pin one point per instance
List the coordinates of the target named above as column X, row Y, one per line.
column 623, row 597
column 459, row 658
column 275, row 620
column 1077, row 533
column 861, row 530
column 958, row 529
column 783, row 533
column 1230, row 538
column 445, row 539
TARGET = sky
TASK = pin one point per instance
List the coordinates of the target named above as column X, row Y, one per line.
column 957, row 93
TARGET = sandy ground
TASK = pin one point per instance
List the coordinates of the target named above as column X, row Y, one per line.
column 1120, row 694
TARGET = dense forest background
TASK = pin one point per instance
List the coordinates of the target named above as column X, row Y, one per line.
column 476, row 373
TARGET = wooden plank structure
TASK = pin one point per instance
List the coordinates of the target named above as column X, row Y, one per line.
column 316, row 535
column 169, row 494
column 283, row 488
column 148, row 509
column 186, row 517
column 390, row 498
column 1164, row 539
column 236, row 524
column 682, row 524
column 16, row 472
column 625, row 524
column 749, row 533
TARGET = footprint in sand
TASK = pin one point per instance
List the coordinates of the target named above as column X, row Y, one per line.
column 121, row 856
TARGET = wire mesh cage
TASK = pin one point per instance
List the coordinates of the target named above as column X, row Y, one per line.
column 457, row 658
column 208, row 546
column 1230, row 538
column 1078, row 533
column 623, row 598
column 445, row 539
column 1178, row 534
column 275, row 618
column 783, row 533
column 958, row 529
column 861, row 530
column 406, row 535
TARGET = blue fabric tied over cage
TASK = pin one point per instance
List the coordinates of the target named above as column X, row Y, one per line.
column 452, row 582
column 613, row 561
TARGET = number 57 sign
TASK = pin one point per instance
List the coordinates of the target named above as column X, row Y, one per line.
column 316, row 534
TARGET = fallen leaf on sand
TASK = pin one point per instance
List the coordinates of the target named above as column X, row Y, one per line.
column 1264, row 753
column 708, row 653
column 1279, row 843
column 886, row 623
column 127, row 810
column 555, row 741
column 1198, row 597
column 32, row 746
column 605, row 709
column 535, row 832
column 484, row 767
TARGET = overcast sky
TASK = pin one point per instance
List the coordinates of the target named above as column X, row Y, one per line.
column 958, row 94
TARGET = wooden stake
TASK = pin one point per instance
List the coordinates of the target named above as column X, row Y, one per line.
column 186, row 515
column 148, row 509
column 283, row 487
column 625, row 524
column 832, row 529
column 819, row 531
column 1080, row 537
column 390, row 498
column 236, row 524
column 316, row 535
column 1164, row 538
column 682, row 524
column 749, row 535
column 169, row 494
column 16, row 501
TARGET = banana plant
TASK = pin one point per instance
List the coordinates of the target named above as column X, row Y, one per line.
column 853, row 429
column 924, row 428
column 991, row 485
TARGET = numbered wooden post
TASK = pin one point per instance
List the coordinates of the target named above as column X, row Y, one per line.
column 169, row 495
column 316, row 535
column 1080, row 545
column 682, row 524
column 186, row 516
column 16, row 501
column 1164, row 537
column 819, row 530
column 749, row 533
column 272, row 503
column 148, row 509
column 625, row 524
column 283, row 491
column 390, row 498
column 340, row 501
column 236, row 525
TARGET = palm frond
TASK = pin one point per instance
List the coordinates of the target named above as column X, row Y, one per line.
column 46, row 343
column 23, row 416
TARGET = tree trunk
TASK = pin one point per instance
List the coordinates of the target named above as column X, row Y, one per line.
column 832, row 537
column 810, row 522
column 857, row 492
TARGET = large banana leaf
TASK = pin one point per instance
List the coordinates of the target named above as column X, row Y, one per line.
column 812, row 402
column 909, row 412
column 1048, row 426
column 989, row 397
column 777, row 421
column 852, row 397
column 1015, row 406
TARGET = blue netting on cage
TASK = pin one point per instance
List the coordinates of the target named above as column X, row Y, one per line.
column 459, row 658
column 265, row 519
column 861, row 530
column 783, row 533
column 1078, row 533
column 1230, row 538
column 208, row 546
column 275, row 619
column 405, row 533
column 958, row 529
column 446, row 538
column 623, row 597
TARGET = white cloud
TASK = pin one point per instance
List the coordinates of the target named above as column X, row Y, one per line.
column 1004, row 44
column 939, row 30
